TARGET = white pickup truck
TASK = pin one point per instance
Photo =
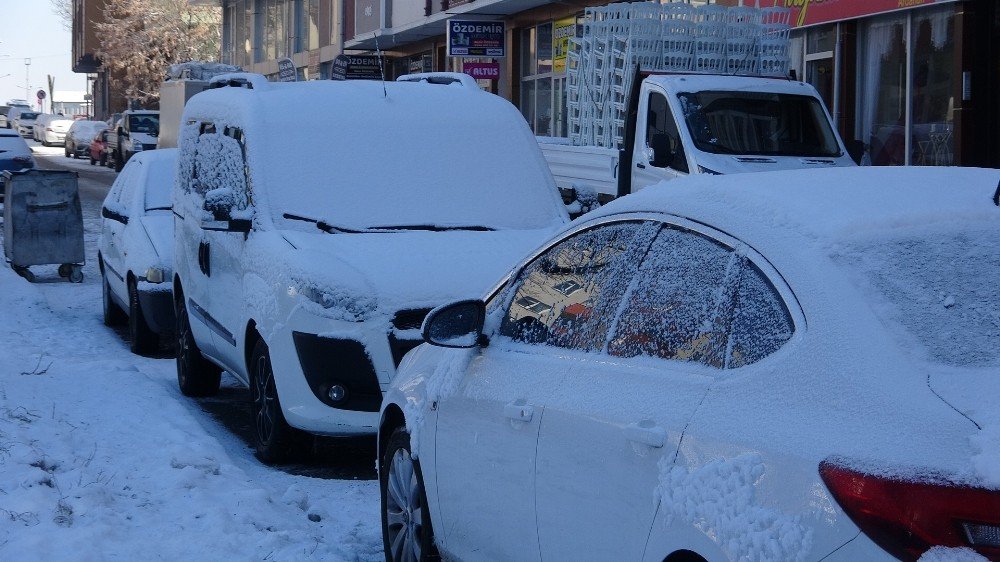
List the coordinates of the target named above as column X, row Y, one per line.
column 679, row 124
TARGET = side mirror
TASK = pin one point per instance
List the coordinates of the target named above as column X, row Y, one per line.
column 114, row 215
column 457, row 325
column 219, row 202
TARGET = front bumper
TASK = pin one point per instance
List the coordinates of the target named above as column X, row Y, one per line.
column 158, row 310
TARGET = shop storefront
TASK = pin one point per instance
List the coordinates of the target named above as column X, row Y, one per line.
column 899, row 76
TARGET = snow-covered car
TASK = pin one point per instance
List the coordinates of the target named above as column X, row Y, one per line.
column 787, row 366
column 52, row 130
column 14, row 154
column 305, row 267
column 79, row 136
column 24, row 123
column 10, row 112
column 135, row 249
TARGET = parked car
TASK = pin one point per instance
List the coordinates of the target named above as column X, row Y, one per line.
column 79, row 137
column 135, row 249
column 24, row 123
column 9, row 112
column 309, row 287
column 134, row 132
column 52, row 130
column 40, row 121
column 14, row 155
column 99, row 148
column 725, row 368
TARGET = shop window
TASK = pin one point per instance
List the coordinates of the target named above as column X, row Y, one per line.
column 905, row 111
column 542, row 71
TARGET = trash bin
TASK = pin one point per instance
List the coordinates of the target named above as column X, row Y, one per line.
column 42, row 222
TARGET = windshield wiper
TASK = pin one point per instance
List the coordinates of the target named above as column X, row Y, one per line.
column 160, row 209
column 433, row 227
column 323, row 225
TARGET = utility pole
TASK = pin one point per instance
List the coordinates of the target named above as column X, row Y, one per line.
column 27, row 88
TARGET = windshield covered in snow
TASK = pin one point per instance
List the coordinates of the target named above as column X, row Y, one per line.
column 11, row 146
column 758, row 124
column 160, row 184
column 940, row 287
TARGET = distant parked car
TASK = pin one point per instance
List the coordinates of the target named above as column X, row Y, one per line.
column 135, row 132
column 99, row 148
column 24, row 123
column 135, row 250
column 40, row 121
column 9, row 112
column 14, row 154
column 79, row 136
column 782, row 366
column 52, row 131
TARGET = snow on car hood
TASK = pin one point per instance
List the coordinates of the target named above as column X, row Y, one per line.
column 735, row 164
column 421, row 269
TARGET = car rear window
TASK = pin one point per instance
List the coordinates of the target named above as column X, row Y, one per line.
column 940, row 287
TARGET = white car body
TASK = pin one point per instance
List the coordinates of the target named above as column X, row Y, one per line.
column 361, row 291
column 533, row 451
column 54, row 131
column 136, row 244
column 23, row 125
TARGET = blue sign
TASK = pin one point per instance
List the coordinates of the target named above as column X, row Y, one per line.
column 476, row 38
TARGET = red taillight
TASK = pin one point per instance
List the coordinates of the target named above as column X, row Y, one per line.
column 908, row 517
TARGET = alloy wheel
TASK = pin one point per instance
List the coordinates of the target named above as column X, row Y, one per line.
column 265, row 400
column 404, row 509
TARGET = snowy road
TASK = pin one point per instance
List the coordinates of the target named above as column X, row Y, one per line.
column 102, row 458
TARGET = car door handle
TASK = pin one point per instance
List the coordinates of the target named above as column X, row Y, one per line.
column 519, row 410
column 646, row 432
column 641, row 166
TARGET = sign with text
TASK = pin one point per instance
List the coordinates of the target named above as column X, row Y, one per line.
column 482, row 70
column 813, row 12
column 562, row 31
column 471, row 38
column 286, row 70
column 356, row 67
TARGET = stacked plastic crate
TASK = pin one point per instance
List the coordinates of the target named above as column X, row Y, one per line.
column 667, row 37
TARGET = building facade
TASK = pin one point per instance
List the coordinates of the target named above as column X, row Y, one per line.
column 918, row 81
column 87, row 14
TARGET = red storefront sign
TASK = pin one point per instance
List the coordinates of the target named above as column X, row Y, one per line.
column 482, row 70
column 812, row 12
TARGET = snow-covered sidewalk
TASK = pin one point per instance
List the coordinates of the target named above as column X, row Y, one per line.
column 101, row 457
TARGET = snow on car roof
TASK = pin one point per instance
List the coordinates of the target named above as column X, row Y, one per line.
column 705, row 82
column 443, row 155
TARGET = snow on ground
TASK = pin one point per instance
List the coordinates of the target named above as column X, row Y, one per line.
column 101, row 457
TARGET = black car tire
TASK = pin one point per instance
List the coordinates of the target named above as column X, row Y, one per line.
column 407, row 533
column 93, row 160
column 119, row 161
column 142, row 339
column 275, row 440
column 196, row 376
column 113, row 314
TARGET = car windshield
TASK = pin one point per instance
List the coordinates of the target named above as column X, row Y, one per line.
column 758, row 124
column 149, row 124
column 29, row 115
column 940, row 288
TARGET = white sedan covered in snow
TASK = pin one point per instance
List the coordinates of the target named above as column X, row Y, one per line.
column 787, row 366
column 135, row 250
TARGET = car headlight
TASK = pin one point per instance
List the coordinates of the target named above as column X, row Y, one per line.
column 154, row 275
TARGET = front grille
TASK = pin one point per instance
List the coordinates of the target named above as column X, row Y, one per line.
column 329, row 361
column 409, row 319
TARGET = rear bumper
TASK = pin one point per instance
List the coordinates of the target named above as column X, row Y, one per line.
column 158, row 310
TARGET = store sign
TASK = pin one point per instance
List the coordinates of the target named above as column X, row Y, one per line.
column 471, row 38
column 367, row 16
column 812, row 12
column 482, row 70
column 562, row 31
column 286, row 70
column 356, row 67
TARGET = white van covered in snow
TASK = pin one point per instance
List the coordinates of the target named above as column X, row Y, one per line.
column 316, row 225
